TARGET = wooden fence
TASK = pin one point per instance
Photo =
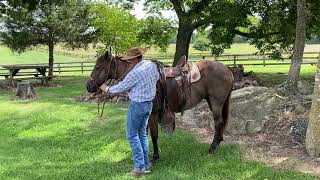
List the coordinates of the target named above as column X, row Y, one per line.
column 230, row 60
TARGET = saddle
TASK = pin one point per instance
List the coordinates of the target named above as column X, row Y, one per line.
column 179, row 69
column 182, row 76
column 179, row 72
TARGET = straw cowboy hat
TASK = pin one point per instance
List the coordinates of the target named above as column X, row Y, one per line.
column 134, row 52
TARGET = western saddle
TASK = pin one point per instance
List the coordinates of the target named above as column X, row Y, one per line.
column 180, row 73
column 180, row 69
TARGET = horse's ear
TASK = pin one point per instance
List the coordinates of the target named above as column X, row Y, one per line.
column 106, row 56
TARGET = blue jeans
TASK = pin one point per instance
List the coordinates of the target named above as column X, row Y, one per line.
column 137, row 121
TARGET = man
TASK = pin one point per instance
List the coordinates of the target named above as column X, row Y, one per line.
column 140, row 82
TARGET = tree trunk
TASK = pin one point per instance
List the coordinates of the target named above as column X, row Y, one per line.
column 238, row 72
column 51, row 60
column 183, row 40
column 313, row 131
column 299, row 44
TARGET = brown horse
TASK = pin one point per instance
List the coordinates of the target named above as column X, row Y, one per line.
column 215, row 86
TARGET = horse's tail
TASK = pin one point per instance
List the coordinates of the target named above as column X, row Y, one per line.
column 225, row 110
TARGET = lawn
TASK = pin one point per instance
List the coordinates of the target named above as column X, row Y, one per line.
column 56, row 137
column 40, row 55
column 31, row 57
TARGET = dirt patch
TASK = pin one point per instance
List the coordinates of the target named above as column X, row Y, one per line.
column 280, row 145
column 94, row 97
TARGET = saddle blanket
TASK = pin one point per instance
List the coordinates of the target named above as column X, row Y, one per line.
column 194, row 73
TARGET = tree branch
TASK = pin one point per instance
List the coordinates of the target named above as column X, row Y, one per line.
column 252, row 35
column 177, row 7
column 199, row 6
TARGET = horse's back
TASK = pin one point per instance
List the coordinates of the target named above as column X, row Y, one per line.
column 215, row 72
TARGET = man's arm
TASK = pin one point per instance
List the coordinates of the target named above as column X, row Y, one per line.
column 129, row 81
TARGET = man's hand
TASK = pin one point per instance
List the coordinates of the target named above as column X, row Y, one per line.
column 104, row 87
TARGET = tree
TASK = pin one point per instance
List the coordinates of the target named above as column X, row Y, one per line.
column 117, row 28
column 46, row 23
column 313, row 131
column 201, row 41
column 200, row 14
column 156, row 31
column 289, row 24
column 273, row 31
column 223, row 17
column 114, row 27
column 299, row 44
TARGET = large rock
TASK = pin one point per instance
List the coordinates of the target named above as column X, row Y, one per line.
column 250, row 109
column 199, row 116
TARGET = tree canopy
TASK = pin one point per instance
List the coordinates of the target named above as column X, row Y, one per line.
column 115, row 27
column 270, row 25
column 47, row 23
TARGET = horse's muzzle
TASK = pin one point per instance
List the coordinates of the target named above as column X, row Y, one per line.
column 92, row 87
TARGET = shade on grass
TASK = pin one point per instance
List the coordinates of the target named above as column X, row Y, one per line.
column 56, row 137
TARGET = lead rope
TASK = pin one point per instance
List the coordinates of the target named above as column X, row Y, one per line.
column 104, row 100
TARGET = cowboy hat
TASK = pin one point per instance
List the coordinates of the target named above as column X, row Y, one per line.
column 134, row 52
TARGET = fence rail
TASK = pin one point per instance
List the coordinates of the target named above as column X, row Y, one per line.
column 228, row 59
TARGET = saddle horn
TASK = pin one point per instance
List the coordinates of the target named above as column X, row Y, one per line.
column 182, row 61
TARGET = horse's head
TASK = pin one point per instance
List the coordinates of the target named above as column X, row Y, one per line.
column 103, row 70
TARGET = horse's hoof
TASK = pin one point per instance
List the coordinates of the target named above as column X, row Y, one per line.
column 156, row 158
column 211, row 150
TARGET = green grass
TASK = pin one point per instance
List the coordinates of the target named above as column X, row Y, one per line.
column 31, row 57
column 269, row 74
column 40, row 54
column 238, row 48
column 273, row 75
column 55, row 137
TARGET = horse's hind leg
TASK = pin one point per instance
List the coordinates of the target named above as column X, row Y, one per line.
column 219, row 123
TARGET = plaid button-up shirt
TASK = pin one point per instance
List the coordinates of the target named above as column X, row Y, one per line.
column 140, row 82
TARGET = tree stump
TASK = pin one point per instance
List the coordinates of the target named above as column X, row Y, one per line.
column 25, row 91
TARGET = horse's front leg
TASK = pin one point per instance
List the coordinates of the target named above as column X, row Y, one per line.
column 153, row 125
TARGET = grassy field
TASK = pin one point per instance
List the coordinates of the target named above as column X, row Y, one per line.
column 30, row 57
column 40, row 55
column 56, row 137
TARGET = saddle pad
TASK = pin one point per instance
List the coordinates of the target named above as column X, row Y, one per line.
column 194, row 73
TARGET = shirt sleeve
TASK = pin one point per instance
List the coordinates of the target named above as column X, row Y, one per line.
column 129, row 81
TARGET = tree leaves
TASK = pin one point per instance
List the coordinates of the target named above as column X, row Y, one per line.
column 156, row 31
column 46, row 22
column 115, row 28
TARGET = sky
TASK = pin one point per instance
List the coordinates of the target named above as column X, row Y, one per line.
column 139, row 13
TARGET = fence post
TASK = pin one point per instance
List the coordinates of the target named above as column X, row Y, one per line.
column 234, row 60
column 264, row 61
column 82, row 67
column 59, row 68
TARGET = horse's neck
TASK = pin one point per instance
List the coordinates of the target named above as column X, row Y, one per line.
column 122, row 69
